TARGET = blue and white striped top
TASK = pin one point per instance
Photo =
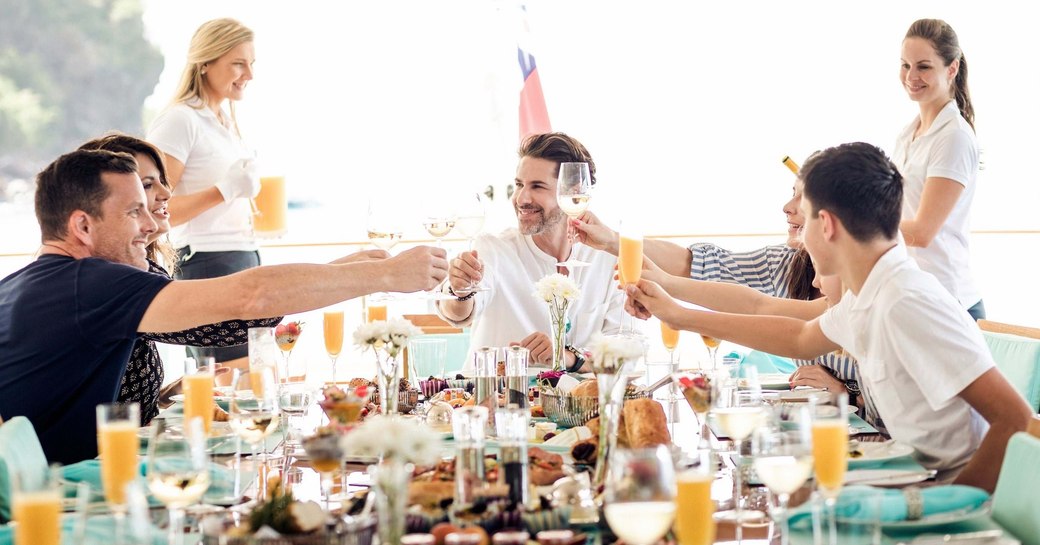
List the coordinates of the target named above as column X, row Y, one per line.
column 768, row 270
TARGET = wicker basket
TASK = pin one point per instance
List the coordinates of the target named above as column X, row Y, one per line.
column 573, row 411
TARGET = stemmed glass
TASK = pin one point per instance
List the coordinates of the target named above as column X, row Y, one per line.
column 739, row 413
column 630, row 261
column 333, row 329
column 294, row 398
column 36, row 505
column 286, row 336
column 670, row 339
column 830, row 447
column 712, row 344
column 117, row 447
column 573, row 191
column 326, row 455
column 177, row 469
column 784, row 461
column 384, row 229
column 640, row 495
column 696, row 387
column 694, row 508
column 469, row 222
column 254, row 413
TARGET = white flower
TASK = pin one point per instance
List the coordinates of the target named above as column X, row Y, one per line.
column 371, row 335
column 393, row 438
column 399, row 331
column 611, row 352
column 556, row 287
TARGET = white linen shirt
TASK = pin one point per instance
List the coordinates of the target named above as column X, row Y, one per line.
column 917, row 350
column 947, row 150
column 510, row 311
column 207, row 148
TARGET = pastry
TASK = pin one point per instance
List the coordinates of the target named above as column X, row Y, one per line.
column 588, row 387
column 645, row 423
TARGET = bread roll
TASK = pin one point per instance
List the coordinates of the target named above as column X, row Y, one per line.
column 622, row 439
column 588, row 387
column 644, row 423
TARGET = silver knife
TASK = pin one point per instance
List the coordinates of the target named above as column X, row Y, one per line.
column 938, row 539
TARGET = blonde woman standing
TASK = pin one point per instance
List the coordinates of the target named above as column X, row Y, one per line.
column 209, row 165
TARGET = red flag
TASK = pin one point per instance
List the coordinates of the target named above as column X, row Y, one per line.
column 534, row 116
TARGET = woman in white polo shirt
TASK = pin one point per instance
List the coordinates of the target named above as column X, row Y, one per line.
column 938, row 156
column 210, row 167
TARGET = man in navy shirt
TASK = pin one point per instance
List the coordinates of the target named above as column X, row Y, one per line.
column 69, row 319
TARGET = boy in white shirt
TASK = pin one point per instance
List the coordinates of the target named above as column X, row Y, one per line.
column 922, row 357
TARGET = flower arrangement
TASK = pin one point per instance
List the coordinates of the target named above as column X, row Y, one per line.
column 393, row 439
column 389, row 337
column 610, row 353
column 559, row 292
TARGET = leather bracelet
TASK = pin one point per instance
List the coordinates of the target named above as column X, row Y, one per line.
column 579, row 359
column 458, row 297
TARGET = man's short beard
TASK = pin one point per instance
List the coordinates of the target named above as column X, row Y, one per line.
column 547, row 222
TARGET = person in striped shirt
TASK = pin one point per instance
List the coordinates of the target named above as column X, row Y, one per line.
column 783, row 271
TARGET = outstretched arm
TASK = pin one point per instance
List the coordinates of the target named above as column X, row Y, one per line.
column 997, row 401
column 778, row 335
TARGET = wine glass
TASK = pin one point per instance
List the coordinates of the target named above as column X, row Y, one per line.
column 36, row 505
column 384, row 229
column 469, row 222
column 333, row 330
column 712, row 344
column 326, row 455
column 573, row 191
column 253, row 413
column 640, row 494
column 784, row 461
column 177, row 469
column 738, row 413
column 117, row 447
column 830, row 447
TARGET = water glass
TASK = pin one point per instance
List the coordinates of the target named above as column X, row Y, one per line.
column 426, row 357
column 516, row 376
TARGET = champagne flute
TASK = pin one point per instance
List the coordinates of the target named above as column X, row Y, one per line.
column 573, row 191
column 784, row 461
column 333, row 329
column 36, row 506
column 117, row 447
column 177, row 469
column 253, row 414
column 830, row 446
column 469, row 222
column 712, row 344
column 640, row 495
column 384, row 230
column 694, row 522
column 630, row 261
column 197, row 385
column 670, row 339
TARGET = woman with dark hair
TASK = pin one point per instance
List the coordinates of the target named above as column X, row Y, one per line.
column 938, row 156
column 142, row 381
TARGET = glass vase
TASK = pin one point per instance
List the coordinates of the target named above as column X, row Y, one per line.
column 388, row 385
column 558, row 334
column 611, row 398
column 390, row 486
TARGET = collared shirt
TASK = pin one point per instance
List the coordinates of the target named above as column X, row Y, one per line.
column 510, row 311
column 947, row 150
column 207, row 148
column 917, row 351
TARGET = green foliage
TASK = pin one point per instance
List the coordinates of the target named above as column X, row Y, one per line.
column 70, row 70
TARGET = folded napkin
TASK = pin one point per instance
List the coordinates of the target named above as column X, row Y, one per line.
column 936, row 499
column 100, row 529
column 21, row 453
column 221, row 479
column 764, row 362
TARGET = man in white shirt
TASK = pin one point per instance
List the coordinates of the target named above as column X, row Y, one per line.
column 510, row 263
column 921, row 356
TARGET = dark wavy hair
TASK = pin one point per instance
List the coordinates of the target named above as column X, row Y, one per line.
column 557, row 147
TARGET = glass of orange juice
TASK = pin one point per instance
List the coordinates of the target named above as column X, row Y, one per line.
column 117, row 425
column 712, row 344
column 36, row 507
column 830, row 448
column 694, row 522
column 197, row 386
column 333, row 329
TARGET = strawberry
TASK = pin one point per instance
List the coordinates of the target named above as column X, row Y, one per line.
column 686, row 382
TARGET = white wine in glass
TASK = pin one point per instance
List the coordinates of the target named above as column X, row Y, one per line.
column 177, row 469
column 383, row 226
column 384, row 240
column 573, row 191
column 640, row 495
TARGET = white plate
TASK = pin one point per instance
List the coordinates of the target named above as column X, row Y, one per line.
column 940, row 519
column 885, row 477
column 771, row 381
column 800, row 394
column 876, row 453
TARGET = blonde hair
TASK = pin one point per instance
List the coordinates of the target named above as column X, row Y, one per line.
column 210, row 42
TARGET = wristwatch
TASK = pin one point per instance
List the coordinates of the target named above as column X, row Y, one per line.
column 579, row 359
column 852, row 387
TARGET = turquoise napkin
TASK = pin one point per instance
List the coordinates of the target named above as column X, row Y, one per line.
column 764, row 362
column 221, row 479
column 936, row 499
column 21, row 453
column 100, row 529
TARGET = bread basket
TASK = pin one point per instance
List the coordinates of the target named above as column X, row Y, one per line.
column 573, row 411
